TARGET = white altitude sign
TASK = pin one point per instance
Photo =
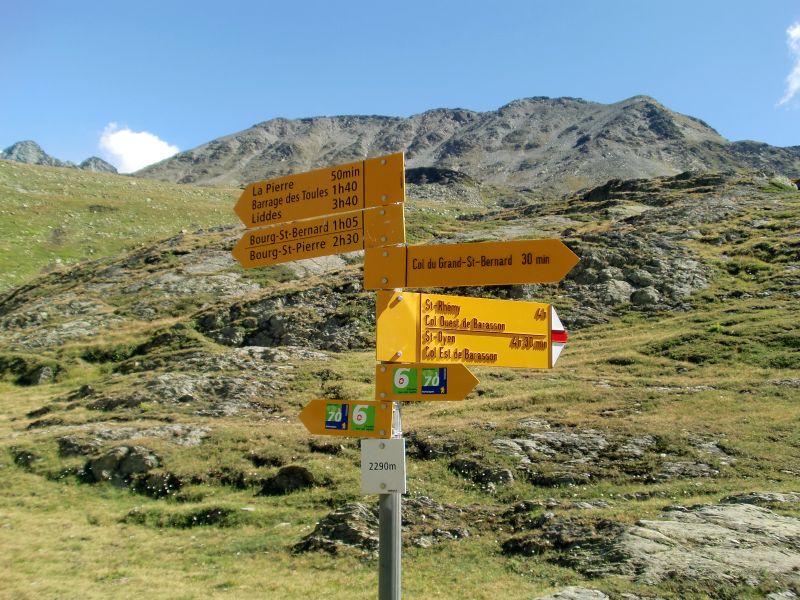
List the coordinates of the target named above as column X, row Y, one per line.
column 383, row 466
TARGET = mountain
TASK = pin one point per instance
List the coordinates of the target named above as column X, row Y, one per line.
column 31, row 153
column 558, row 144
column 97, row 165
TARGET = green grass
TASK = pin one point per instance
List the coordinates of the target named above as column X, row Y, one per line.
column 51, row 217
column 110, row 541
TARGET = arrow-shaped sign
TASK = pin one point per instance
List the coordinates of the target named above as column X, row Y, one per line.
column 422, row 381
column 440, row 329
column 333, row 190
column 474, row 263
column 348, row 418
column 321, row 236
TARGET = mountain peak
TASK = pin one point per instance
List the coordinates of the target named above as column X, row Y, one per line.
column 31, row 153
column 559, row 144
column 97, row 165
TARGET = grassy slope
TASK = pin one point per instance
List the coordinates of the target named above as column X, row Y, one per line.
column 628, row 377
column 52, row 216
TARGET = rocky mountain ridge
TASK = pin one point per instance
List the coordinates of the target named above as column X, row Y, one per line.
column 560, row 144
column 31, row 153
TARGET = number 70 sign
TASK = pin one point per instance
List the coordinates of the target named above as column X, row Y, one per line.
column 351, row 418
column 421, row 381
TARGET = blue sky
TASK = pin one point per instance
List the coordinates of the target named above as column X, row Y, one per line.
column 188, row 72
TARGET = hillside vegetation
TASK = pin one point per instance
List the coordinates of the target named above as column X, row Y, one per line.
column 51, row 216
column 150, row 446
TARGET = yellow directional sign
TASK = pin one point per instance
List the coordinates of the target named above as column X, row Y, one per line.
column 348, row 418
column 432, row 328
column 322, row 236
column 333, row 190
column 475, row 263
column 423, row 381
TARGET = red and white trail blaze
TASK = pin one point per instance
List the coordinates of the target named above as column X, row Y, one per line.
column 558, row 336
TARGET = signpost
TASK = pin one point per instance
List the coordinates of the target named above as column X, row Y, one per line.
column 344, row 188
column 424, row 341
column 321, row 236
column 348, row 418
column 478, row 331
column 475, row 263
column 423, row 381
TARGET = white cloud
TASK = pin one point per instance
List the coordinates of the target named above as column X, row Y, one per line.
column 133, row 150
column 793, row 79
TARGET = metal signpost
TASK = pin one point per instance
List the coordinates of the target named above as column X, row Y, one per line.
column 424, row 341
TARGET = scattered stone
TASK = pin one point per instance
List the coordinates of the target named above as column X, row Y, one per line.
column 538, row 424
column 430, row 447
column 645, row 296
column 575, row 593
column 636, row 447
column 325, row 447
column 39, row 412
column 520, row 518
column 481, row 473
column 176, row 433
column 787, row 595
column 763, row 498
column 24, row 458
column 712, row 448
column 685, row 470
column 204, row 394
column 580, row 544
column 725, row 544
column 84, row 391
column 119, row 464
column 265, row 459
column 615, row 292
column 206, row 516
column 439, row 535
column 581, row 444
column 793, row 383
column 157, row 485
column 557, row 478
column 352, row 526
column 288, row 479
column 70, row 445
column 323, row 317
column 41, row 423
column 421, row 510
column 39, row 376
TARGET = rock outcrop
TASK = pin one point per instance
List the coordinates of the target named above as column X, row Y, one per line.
column 31, row 153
